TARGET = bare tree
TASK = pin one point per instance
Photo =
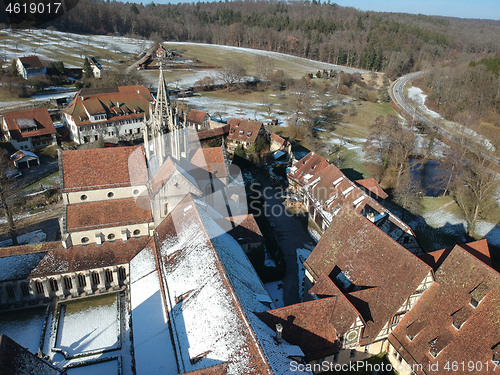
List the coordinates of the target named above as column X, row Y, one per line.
column 264, row 66
column 6, row 190
column 390, row 145
column 231, row 72
column 474, row 187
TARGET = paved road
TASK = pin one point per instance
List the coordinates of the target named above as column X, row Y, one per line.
column 290, row 234
column 396, row 92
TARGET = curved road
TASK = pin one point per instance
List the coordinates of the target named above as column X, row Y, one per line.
column 396, row 92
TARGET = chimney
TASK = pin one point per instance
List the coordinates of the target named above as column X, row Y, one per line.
column 279, row 333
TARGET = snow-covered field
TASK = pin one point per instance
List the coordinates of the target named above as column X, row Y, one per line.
column 88, row 325
column 24, row 327
column 103, row 368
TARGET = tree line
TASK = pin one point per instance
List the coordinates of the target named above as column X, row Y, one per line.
column 389, row 42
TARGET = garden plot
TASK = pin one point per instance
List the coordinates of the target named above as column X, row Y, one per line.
column 103, row 368
column 25, row 327
column 89, row 325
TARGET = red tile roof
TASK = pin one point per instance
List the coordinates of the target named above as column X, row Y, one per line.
column 103, row 168
column 246, row 229
column 309, row 165
column 37, row 118
column 85, row 257
column 105, row 214
column 368, row 258
column 128, row 102
column 210, row 159
column 212, row 133
column 31, row 62
column 196, row 116
column 276, row 138
column 371, row 185
column 308, row 325
column 460, row 277
column 243, row 130
column 30, row 249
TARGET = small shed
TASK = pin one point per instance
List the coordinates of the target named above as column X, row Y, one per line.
column 25, row 159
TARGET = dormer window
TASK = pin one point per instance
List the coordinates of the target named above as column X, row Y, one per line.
column 474, row 302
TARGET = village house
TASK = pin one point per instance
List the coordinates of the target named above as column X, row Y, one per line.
column 456, row 320
column 281, row 149
column 245, row 133
column 198, row 120
column 109, row 114
column 95, row 66
column 29, row 129
column 360, row 284
column 324, row 190
column 30, row 66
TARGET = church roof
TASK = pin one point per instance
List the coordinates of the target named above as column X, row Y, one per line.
column 105, row 214
column 103, row 168
column 213, row 311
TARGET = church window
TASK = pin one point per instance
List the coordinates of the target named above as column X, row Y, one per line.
column 39, row 287
column 95, row 278
column 54, row 286
column 25, row 289
column 82, row 281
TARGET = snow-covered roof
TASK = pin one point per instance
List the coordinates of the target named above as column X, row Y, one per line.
column 213, row 292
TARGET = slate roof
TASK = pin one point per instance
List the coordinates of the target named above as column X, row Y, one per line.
column 243, row 130
column 196, row 116
column 103, row 168
column 128, row 102
column 37, row 117
column 16, row 360
column 460, row 277
column 105, row 214
column 368, row 258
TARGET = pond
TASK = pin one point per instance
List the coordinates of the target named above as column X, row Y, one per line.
column 431, row 176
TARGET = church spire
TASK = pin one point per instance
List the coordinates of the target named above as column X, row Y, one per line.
column 162, row 104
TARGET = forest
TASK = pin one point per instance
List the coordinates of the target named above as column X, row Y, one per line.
column 393, row 43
